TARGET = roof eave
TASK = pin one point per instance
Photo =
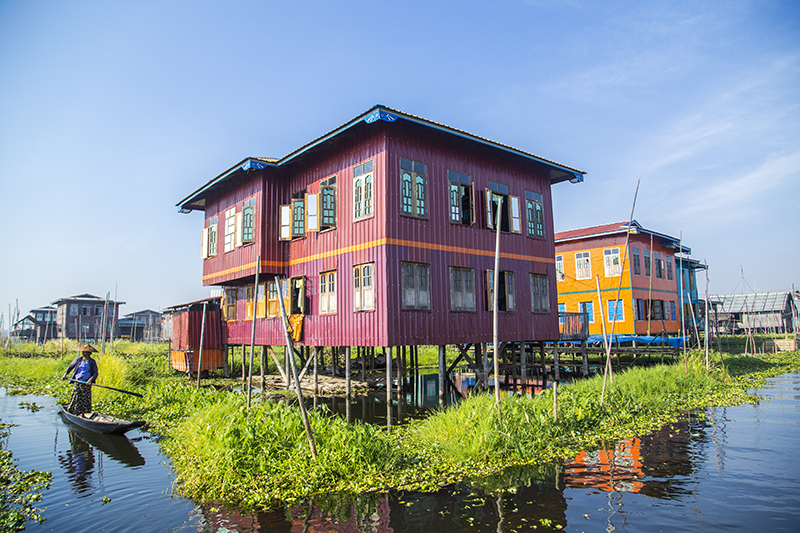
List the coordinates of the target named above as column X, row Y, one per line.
column 188, row 204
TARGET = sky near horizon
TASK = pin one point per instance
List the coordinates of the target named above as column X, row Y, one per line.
column 112, row 112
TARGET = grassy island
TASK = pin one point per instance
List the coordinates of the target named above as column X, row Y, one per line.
column 260, row 459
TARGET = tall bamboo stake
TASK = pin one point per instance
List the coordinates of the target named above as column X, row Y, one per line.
column 494, row 307
column 253, row 334
column 605, row 340
column 298, row 392
column 202, row 339
column 706, row 321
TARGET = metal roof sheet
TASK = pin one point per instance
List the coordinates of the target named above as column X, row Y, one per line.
column 558, row 171
column 760, row 302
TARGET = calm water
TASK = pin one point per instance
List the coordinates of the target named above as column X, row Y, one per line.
column 728, row 469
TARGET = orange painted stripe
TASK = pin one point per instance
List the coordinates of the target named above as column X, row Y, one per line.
column 383, row 242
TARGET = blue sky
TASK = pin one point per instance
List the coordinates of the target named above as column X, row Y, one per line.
column 111, row 112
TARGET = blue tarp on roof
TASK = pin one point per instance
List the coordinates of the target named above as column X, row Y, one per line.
column 641, row 340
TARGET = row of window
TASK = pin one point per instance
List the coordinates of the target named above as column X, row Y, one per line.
column 84, row 310
column 645, row 309
column 612, row 266
column 238, row 229
column 303, row 214
column 415, row 290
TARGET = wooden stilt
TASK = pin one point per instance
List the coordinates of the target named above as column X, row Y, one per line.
column 523, row 348
column 348, row 385
column 441, row 375
column 315, row 354
column 388, row 389
column 556, row 372
column 585, row 357
column 544, row 365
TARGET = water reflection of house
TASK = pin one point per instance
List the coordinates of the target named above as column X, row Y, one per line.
column 613, row 470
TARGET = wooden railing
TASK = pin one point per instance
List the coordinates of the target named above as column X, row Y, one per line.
column 573, row 326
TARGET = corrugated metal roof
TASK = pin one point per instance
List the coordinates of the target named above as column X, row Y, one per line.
column 760, row 302
column 619, row 227
column 558, row 171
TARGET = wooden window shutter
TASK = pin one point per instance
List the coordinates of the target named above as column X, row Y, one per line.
column 239, row 228
column 285, row 223
column 312, row 212
column 204, row 245
column 516, row 219
column 489, row 217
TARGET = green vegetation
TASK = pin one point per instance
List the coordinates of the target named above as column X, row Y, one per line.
column 19, row 490
column 259, row 459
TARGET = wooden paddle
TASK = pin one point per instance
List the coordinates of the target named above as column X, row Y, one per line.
column 106, row 387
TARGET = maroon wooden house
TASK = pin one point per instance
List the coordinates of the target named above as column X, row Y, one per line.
column 382, row 233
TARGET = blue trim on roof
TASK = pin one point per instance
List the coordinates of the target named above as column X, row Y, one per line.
column 379, row 114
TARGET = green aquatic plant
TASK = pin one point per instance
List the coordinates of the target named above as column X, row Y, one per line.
column 19, row 490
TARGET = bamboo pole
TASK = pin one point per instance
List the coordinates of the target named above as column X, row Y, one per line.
column 253, row 333
column 298, row 392
column 605, row 341
column 494, row 306
column 706, row 321
column 202, row 338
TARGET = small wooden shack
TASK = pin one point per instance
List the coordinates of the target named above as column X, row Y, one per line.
column 188, row 328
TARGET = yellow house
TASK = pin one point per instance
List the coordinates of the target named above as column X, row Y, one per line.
column 595, row 259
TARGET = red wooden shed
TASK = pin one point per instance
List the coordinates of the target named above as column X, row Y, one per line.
column 187, row 330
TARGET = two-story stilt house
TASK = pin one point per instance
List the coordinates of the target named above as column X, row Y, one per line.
column 382, row 233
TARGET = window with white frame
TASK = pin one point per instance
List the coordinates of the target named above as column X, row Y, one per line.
column 299, row 214
column 540, row 293
column 413, row 188
column 583, row 265
column 534, row 207
column 462, row 289
column 611, row 262
column 636, row 261
column 560, row 268
column 510, row 216
column 98, row 310
column 588, row 308
column 327, row 293
column 505, row 292
column 616, row 311
column 364, row 287
column 363, row 184
column 415, row 285
column 462, row 210
column 86, row 310
column 230, row 230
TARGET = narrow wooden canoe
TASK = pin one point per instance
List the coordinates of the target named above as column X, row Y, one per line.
column 100, row 423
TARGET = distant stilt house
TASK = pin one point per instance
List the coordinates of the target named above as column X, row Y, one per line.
column 83, row 317
column 381, row 233
column 39, row 325
column 762, row 312
column 141, row 326
column 649, row 295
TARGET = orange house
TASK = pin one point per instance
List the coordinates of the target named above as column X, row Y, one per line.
column 644, row 275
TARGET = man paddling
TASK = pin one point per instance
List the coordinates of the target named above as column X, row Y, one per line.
column 85, row 370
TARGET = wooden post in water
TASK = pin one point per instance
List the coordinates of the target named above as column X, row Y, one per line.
column 263, row 365
column 544, row 366
column 556, row 373
column 585, row 357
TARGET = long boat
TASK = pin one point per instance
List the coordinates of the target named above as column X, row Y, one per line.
column 100, row 423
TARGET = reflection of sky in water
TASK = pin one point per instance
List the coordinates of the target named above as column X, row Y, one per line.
column 733, row 469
